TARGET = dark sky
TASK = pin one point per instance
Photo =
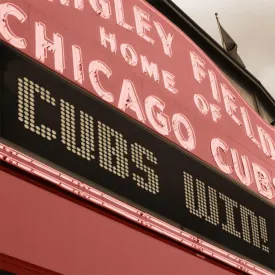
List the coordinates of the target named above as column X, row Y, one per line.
column 250, row 23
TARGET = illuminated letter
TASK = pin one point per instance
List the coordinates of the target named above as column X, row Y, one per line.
column 202, row 200
column 63, row 2
column 149, row 69
column 159, row 121
column 242, row 170
column 131, row 60
column 198, row 65
column 79, row 4
column 120, row 19
column 229, row 102
column 129, row 99
column 166, row 40
column 111, row 38
column 5, row 11
column 263, row 181
column 102, row 8
column 214, row 86
column 264, row 235
column 201, row 104
column 112, row 151
column 26, row 107
column 203, row 107
column 94, row 68
column 68, row 131
column 251, row 226
column 188, row 143
column 230, row 217
column 248, row 127
column 217, row 144
column 267, row 142
column 169, row 82
column 141, row 25
column 43, row 45
column 216, row 112
column 77, row 64
column 138, row 152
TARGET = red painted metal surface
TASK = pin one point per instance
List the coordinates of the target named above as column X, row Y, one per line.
column 126, row 49
column 59, row 179
column 49, row 231
column 16, row 266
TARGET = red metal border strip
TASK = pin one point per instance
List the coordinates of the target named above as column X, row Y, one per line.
column 32, row 166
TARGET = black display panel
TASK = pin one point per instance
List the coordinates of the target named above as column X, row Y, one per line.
column 3, row 272
column 56, row 120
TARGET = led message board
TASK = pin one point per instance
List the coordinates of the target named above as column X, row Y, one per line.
column 53, row 119
column 132, row 57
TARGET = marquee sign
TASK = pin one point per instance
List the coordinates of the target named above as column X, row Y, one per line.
column 72, row 129
column 132, row 57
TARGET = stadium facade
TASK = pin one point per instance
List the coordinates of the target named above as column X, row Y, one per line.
column 131, row 143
